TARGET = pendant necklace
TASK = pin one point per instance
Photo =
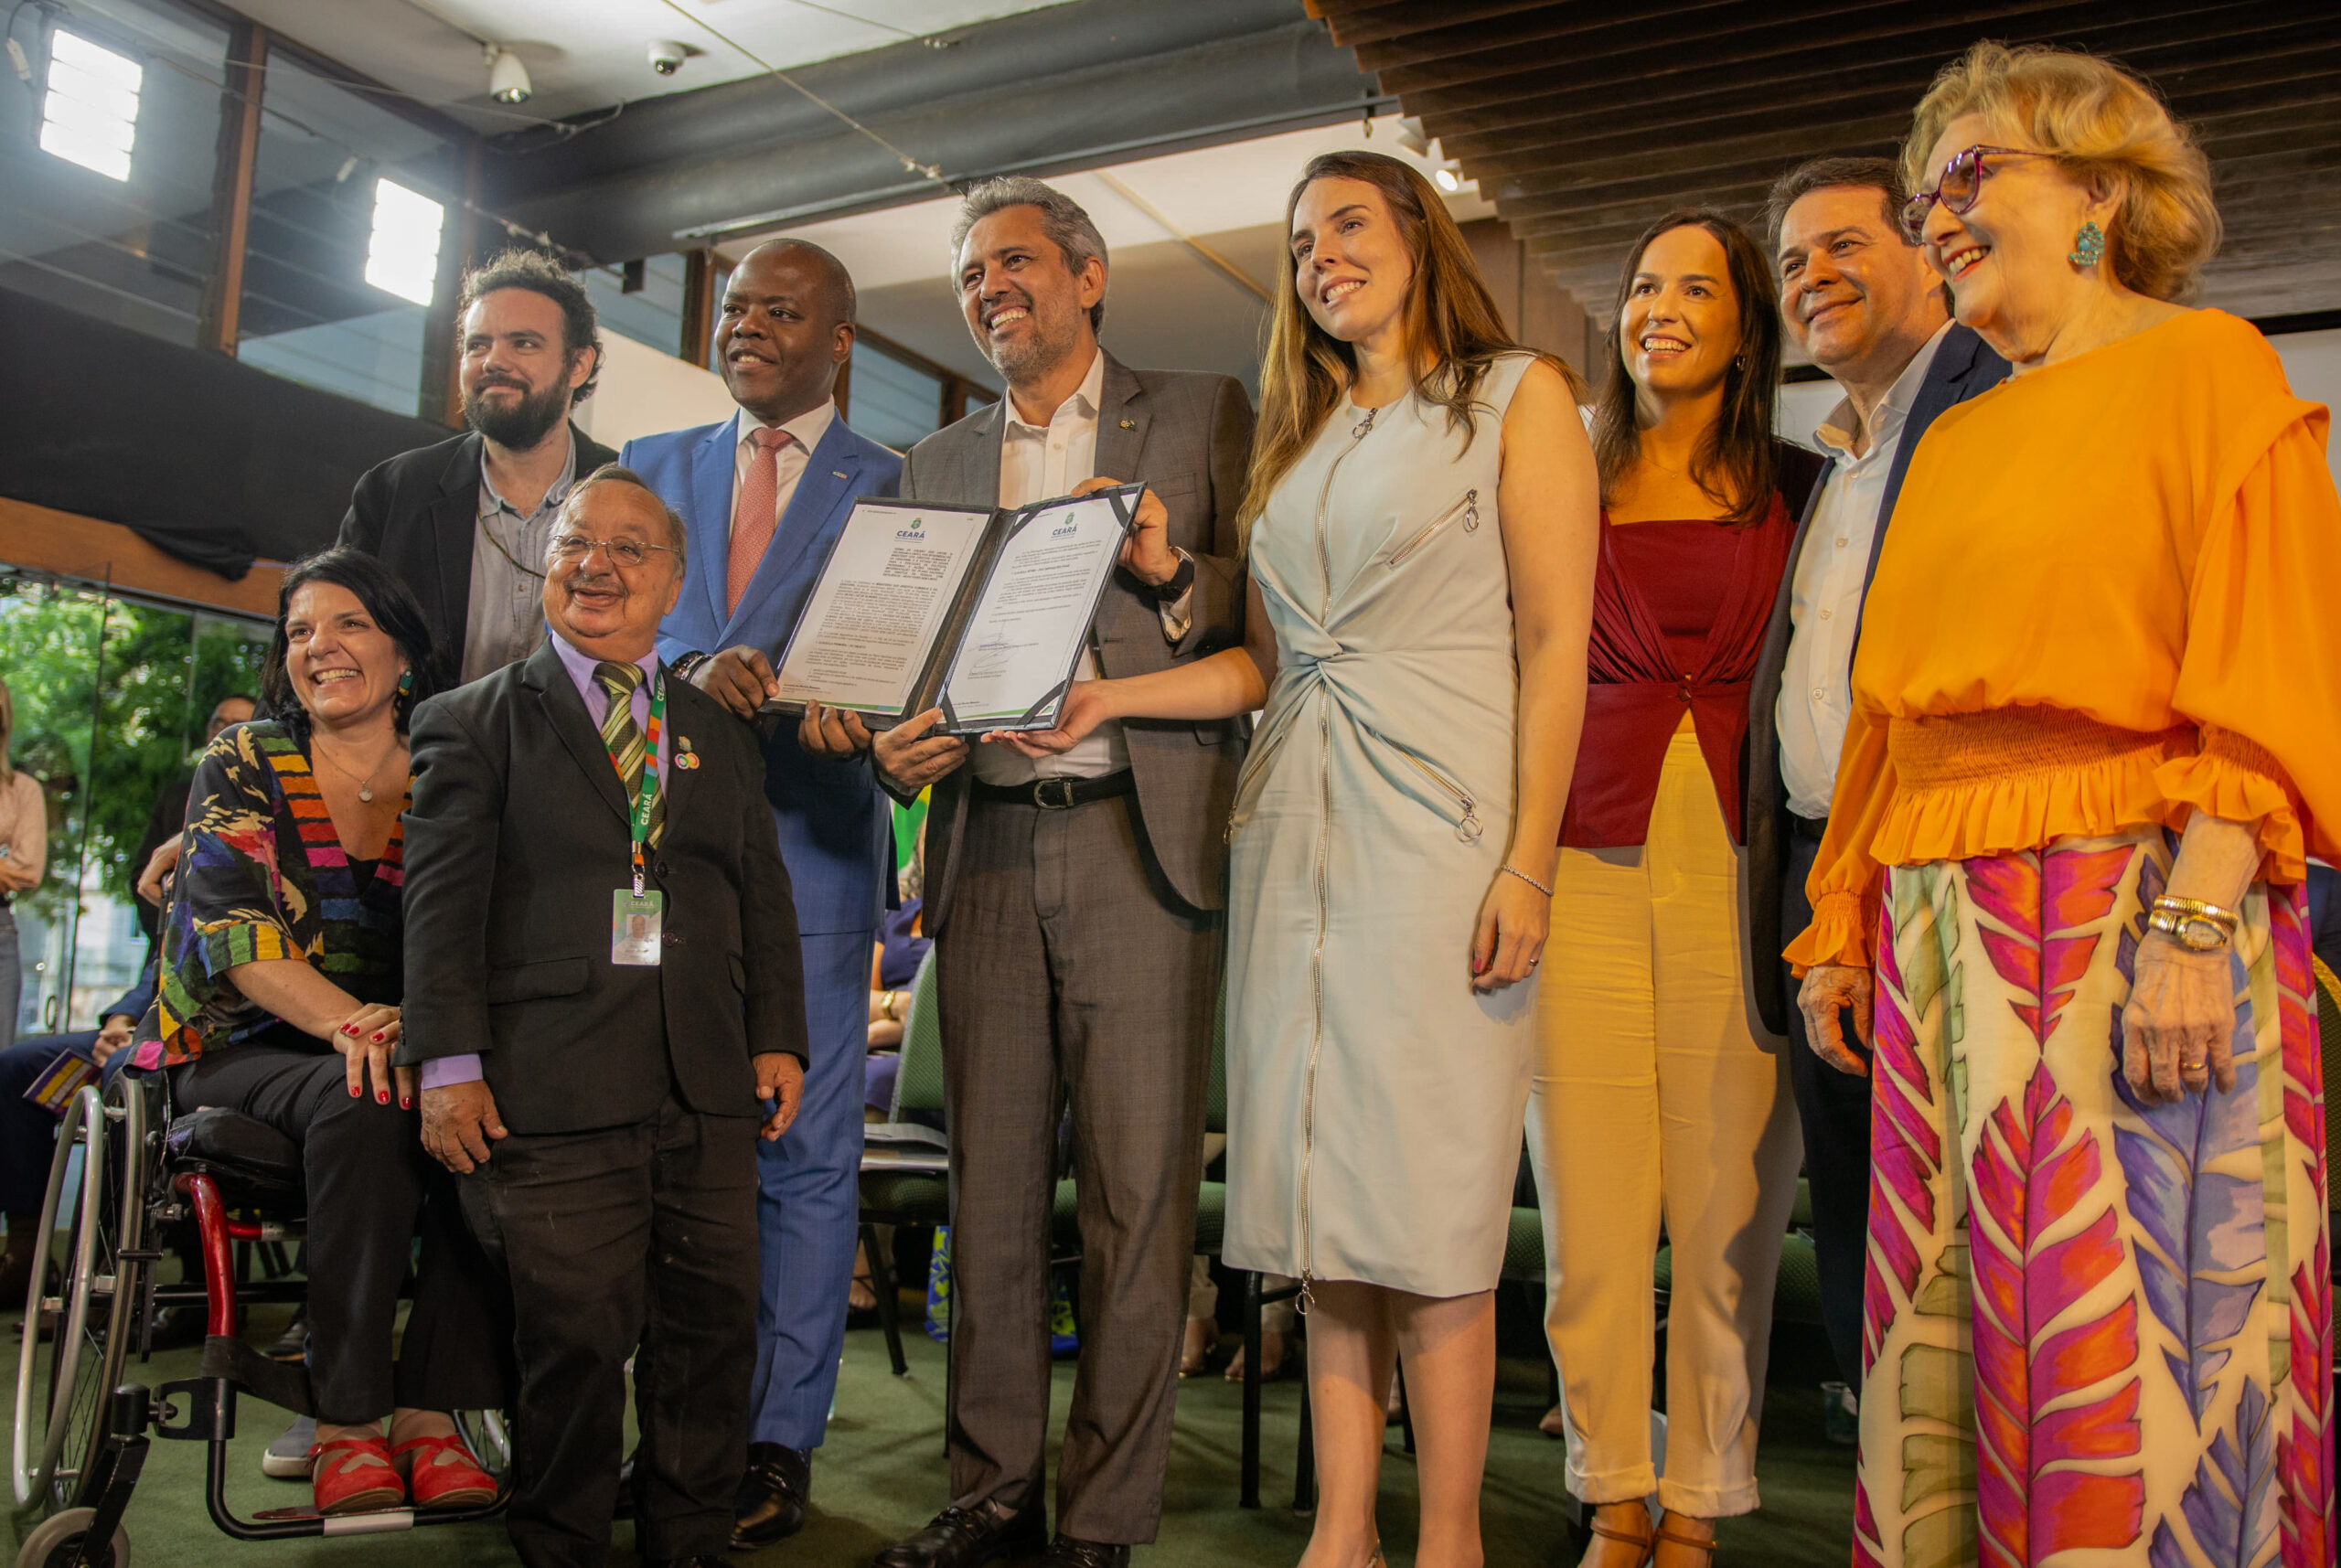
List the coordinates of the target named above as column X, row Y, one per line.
column 366, row 784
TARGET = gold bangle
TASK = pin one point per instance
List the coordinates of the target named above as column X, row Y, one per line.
column 2197, row 908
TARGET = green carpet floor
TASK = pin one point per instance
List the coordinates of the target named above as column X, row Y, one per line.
column 882, row 1474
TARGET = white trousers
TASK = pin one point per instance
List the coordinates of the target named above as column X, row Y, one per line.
column 1655, row 1097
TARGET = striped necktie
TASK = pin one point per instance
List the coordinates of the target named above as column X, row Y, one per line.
column 624, row 738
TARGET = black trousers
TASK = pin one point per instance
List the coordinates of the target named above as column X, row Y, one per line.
column 1835, row 1109
column 371, row 1189
column 642, row 1235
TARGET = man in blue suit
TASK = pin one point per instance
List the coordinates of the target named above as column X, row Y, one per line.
column 1856, row 295
column 765, row 494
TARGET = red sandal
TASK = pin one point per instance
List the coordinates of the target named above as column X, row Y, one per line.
column 442, row 1472
column 354, row 1475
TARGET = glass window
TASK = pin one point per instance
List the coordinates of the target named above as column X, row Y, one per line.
column 889, row 401
column 652, row 314
column 327, row 155
column 105, row 200
column 111, row 700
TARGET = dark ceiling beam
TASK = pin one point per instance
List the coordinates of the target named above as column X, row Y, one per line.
column 1893, row 31
column 1535, row 130
column 1465, row 37
column 1353, row 24
column 1065, row 87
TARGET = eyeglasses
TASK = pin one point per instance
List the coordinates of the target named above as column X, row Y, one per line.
column 569, row 550
column 1961, row 182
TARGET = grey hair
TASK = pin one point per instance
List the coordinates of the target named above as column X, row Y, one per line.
column 618, row 474
column 1063, row 220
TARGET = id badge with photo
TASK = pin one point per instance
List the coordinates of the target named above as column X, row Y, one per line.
column 635, row 921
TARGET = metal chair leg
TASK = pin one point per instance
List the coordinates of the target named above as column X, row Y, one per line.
column 1304, row 1474
column 883, row 1285
column 1250, row 1495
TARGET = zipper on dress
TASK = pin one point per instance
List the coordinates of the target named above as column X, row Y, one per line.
column 1468, row 506
column 1358, row 432
column 1468, row 829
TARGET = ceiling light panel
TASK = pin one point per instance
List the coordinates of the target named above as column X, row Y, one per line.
column 90, row 113
column 402, row 254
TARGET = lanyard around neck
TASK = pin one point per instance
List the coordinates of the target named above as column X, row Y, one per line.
column 638, row 822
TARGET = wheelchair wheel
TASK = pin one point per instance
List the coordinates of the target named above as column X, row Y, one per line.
column 75, row 1342
column 55, row 1539
column 487, row 1435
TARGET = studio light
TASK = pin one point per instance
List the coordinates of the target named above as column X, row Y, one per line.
column 508, row 78
column 89, row 115
column 1447, row 180
column 402, row 254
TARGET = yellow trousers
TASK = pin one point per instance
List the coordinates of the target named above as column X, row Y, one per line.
column 1655, row 1096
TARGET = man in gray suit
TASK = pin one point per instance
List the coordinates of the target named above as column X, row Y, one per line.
column 1075, row 907
column 1857, row 296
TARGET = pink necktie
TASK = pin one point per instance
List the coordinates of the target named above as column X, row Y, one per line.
column 759, row 514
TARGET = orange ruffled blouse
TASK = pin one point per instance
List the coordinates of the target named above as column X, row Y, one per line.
column 2106, row 599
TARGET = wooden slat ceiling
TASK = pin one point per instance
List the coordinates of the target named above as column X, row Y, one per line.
column 1585, row 120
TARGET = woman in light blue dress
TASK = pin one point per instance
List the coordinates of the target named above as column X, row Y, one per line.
column 1422, row 513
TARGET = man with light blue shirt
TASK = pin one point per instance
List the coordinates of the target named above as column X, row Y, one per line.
column 765, row 494
column 1856, row 296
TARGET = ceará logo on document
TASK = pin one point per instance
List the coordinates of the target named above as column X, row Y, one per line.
column 1066, row 529
column 913, row 531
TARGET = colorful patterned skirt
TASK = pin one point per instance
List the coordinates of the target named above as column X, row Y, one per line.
column 2098, row 1332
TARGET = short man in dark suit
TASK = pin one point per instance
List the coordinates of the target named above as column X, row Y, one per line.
column 602, row 988
column 1857, row 296
column 464, row 522
column 1075, row 907
column 765, row 495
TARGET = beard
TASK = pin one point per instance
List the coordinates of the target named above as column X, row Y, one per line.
column 520, row 424
column 1040, row 351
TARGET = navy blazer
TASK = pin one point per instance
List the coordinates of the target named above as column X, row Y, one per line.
column 835, row 831
column 1963, row 366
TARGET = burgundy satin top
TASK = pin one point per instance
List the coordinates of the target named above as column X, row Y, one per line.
column 1679, row 611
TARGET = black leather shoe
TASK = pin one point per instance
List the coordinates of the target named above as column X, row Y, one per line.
column 966, row 1538
column 771, row 1504
column 1065, row 1552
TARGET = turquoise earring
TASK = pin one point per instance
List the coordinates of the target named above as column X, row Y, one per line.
column 2088, row 245
column 406, row 683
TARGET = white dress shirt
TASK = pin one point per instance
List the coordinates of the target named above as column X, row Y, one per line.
column 1037, row 463
column 1817, row 700
column 805, row 432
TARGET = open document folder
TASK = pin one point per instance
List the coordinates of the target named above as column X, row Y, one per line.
column 980, row 613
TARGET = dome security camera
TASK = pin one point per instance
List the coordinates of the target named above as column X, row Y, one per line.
column 667, row 56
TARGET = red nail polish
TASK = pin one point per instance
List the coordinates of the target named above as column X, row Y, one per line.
column 377, row 1034
column 405, row 1103
column 353, row 1091
column 381, row 1096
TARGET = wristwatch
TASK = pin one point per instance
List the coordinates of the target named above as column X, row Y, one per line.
column 2196, row 926
column 1179, row 582
column 683, row 664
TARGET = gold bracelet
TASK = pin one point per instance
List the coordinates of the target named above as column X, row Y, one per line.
column 1525, row 877
column 2198, row 926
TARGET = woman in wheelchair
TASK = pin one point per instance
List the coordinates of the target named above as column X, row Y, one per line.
column 280, row 987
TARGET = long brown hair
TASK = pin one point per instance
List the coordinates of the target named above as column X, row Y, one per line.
column 1454, row 332
column 1736, row 465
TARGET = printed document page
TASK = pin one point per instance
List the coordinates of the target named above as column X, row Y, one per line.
column 873, row 616
column 1033, row 615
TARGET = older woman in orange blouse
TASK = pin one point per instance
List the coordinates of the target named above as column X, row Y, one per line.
column 2097, row 730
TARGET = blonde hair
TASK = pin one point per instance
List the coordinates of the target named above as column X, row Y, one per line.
column 2109, row 131
column 1454, row 331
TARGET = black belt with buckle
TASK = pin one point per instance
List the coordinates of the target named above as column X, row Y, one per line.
column 1058, row 795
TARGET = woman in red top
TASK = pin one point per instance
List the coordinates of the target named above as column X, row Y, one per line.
column 1654, row 1095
